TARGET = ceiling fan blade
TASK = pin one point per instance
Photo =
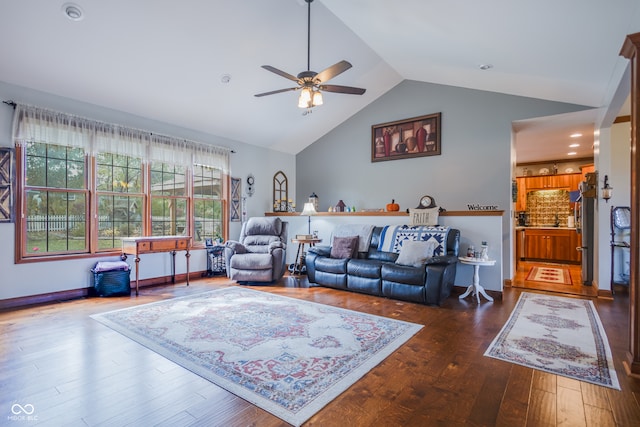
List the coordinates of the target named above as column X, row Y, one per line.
column 280, row 73
column 342, row 89
column 276, row 91
column 332, row 71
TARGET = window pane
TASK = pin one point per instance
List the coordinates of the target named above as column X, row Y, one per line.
column 36, row 165
column 168, row 216
column 56, row 173
column 167, row 180
column 118, row 216
column 75, row 174
column 55, row 222
column 207, row 219
column 118, row 173
column 55, row 166
column 207, row 182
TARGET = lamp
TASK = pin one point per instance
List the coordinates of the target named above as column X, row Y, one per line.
column 309, row 210
column 607, row 191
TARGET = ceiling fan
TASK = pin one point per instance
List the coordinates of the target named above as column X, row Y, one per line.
column 311, row 83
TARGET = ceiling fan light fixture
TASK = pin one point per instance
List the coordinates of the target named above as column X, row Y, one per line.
column 317, row 98
column 309, row 82
column 304, row 100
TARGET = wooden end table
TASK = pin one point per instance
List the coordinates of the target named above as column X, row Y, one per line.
column 297, row 265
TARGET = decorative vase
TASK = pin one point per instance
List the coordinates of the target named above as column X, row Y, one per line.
column 387, row 143
column 421, row 136
column 484, row 251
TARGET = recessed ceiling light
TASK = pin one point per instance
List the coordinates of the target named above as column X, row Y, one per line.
column 225, row 78
column 72, row 11
column 576, row 135
column 485, row 66
column 572, row 153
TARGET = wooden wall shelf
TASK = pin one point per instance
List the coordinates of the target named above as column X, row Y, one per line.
column 379, row 213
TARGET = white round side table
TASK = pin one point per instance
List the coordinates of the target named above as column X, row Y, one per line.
column 476, row 288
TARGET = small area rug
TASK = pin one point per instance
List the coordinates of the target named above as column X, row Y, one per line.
column 562, row 336
column 287, row 356
column 558, row 276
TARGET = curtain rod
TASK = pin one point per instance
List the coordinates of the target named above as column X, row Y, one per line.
column 10, row 103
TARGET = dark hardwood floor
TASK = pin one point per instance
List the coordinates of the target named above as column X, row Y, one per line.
column 77, row 372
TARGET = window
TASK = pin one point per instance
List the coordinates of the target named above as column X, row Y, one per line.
column 55, row 199
column 168, row 200
column 207, row 203
column 83, row 185
column 120, row 199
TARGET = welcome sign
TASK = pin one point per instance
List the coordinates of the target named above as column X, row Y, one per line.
column 477, row 207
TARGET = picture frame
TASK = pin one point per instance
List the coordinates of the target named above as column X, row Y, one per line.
column 408, row 138
column 7, row 178
column 208, row 242
column 234, row 207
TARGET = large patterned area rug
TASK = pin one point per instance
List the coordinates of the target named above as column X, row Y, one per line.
column 562, row 336
column 287, row 356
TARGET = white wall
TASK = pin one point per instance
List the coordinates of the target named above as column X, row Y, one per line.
column 20, row 280
column 613, row 159
column 475, row 166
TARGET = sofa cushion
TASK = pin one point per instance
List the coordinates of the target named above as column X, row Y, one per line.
column 415, row 253
column 403, row 274
column 332, row 265
column 264, row 226
column 364, row 268
column 252, row 261
column 344, row 247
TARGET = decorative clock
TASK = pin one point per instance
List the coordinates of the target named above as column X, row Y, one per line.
column 426, row 202
column 250, row 181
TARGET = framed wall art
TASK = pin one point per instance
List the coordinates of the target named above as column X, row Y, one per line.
column 235, row 207
column 403, row 139
column 6, row 180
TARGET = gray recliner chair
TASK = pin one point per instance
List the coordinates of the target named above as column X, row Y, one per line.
column 259, row 255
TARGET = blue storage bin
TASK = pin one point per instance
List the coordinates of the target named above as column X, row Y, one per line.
column 112, row 282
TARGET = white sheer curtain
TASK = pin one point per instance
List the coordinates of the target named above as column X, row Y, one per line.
column 52, row 127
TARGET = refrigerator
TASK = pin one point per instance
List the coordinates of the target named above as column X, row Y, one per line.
column 584, row 212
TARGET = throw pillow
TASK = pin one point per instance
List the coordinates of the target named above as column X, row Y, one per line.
column 414, row 253
column 344, row 247
column 424, row 216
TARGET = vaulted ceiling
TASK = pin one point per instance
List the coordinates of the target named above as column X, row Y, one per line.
column 166, row 60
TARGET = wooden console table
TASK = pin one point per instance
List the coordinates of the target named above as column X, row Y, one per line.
column 151, row 245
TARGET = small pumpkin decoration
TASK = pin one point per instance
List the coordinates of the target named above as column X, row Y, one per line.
column 393, row 206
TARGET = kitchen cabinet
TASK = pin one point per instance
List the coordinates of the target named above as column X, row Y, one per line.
column 550, row 182
column 576, row 179
column 552, row 244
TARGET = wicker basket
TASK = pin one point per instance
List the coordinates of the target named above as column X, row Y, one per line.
column 112, row 283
